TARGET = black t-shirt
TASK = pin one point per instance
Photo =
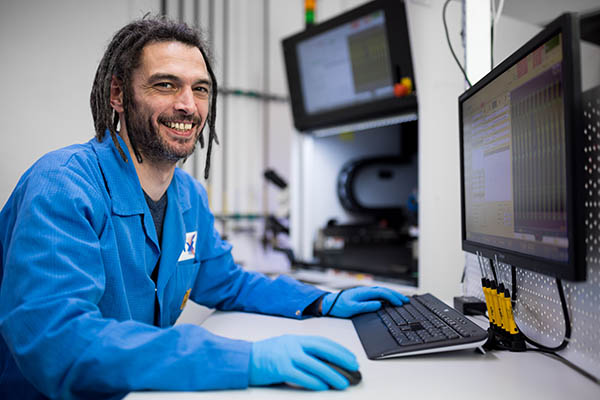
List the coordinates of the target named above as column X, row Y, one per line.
column 158, row 210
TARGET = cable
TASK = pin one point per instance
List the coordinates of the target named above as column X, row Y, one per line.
column 334, row 301
column 556, row 356
column 493, row 268
column 496, row 13
column 513, row 298
column 450, row 44
column 493, row 6
column 563, row 303
column 568, row 364
column 492, row 44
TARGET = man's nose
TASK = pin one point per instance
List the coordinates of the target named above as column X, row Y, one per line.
column 185, row 101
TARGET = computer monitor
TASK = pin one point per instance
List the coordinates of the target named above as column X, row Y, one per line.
column 344, row 70
column 521, row 155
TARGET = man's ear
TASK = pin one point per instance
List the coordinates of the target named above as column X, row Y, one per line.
column 116, row 94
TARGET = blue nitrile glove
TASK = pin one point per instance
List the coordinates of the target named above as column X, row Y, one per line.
column 360, row 300
column 295, row 359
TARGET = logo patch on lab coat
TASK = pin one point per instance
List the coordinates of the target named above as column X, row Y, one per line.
column 189, row 248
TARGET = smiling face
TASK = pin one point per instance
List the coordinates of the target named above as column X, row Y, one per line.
column 171, row 91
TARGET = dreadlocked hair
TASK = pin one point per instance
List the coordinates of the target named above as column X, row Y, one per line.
column 122, row 57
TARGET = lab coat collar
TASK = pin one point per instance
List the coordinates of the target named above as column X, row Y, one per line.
column 123, row 183
column 121, row 178
column 180, row 191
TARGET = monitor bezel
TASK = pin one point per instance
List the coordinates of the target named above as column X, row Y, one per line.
column 400, row 59
column 574, row 269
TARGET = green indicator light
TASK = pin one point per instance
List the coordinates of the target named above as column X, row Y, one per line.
column 310, row 16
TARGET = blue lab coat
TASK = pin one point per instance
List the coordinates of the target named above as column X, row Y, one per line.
column 77, row 247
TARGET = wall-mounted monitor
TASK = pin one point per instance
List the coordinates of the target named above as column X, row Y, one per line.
column 521, row 150
column 344, row 70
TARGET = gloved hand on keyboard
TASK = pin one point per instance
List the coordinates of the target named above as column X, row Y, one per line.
column 296, row 359
column 359, row 300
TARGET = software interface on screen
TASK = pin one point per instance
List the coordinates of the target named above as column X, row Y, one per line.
column 347, row 65
column 514, row 158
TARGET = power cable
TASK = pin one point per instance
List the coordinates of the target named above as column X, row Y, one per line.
column 568, row 364
column 450, row 44
column 493, row 4
column 496, row 13
column 563, row 303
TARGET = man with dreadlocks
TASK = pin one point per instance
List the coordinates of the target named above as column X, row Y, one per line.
column 102, row 244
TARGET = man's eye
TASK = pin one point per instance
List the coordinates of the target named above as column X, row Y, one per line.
column 202, row 90
column 164, row 85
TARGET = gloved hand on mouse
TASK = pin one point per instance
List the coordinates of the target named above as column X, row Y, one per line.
column 298, row 359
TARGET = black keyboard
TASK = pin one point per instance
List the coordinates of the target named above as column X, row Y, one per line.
column 424, row 325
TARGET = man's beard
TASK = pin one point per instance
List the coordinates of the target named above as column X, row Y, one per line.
column 145, row 136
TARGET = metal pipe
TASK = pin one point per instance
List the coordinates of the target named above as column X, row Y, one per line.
column 265, row 105
column 196, row 16
column 211, row 40
column 224, row 112
column 196, row 13
column 181, row 11
column 211, row 21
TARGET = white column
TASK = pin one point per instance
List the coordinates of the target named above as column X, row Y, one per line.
column 478, row 38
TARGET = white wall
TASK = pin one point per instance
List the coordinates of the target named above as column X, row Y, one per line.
column 50, row 51
column 439, row 82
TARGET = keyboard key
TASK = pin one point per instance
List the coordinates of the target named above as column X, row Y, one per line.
column 426, row 324
column 437, row 338
column 437, row 322
column 423, row 335
column 406, row 315
column 408, row 342
column 413, row 336
column 416, row 326
column 431, row 339
column 412, row 310
column 394, row 330
column 449, row 333
column 463, row 332
column 397, row 318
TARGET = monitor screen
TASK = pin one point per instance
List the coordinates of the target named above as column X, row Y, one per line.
column 518, row 153
column 344, row 70
column 346, row 65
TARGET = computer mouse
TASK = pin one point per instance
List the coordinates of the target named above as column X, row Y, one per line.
column 353, row 377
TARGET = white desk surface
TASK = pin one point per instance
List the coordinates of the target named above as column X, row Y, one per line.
column 460, row 374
